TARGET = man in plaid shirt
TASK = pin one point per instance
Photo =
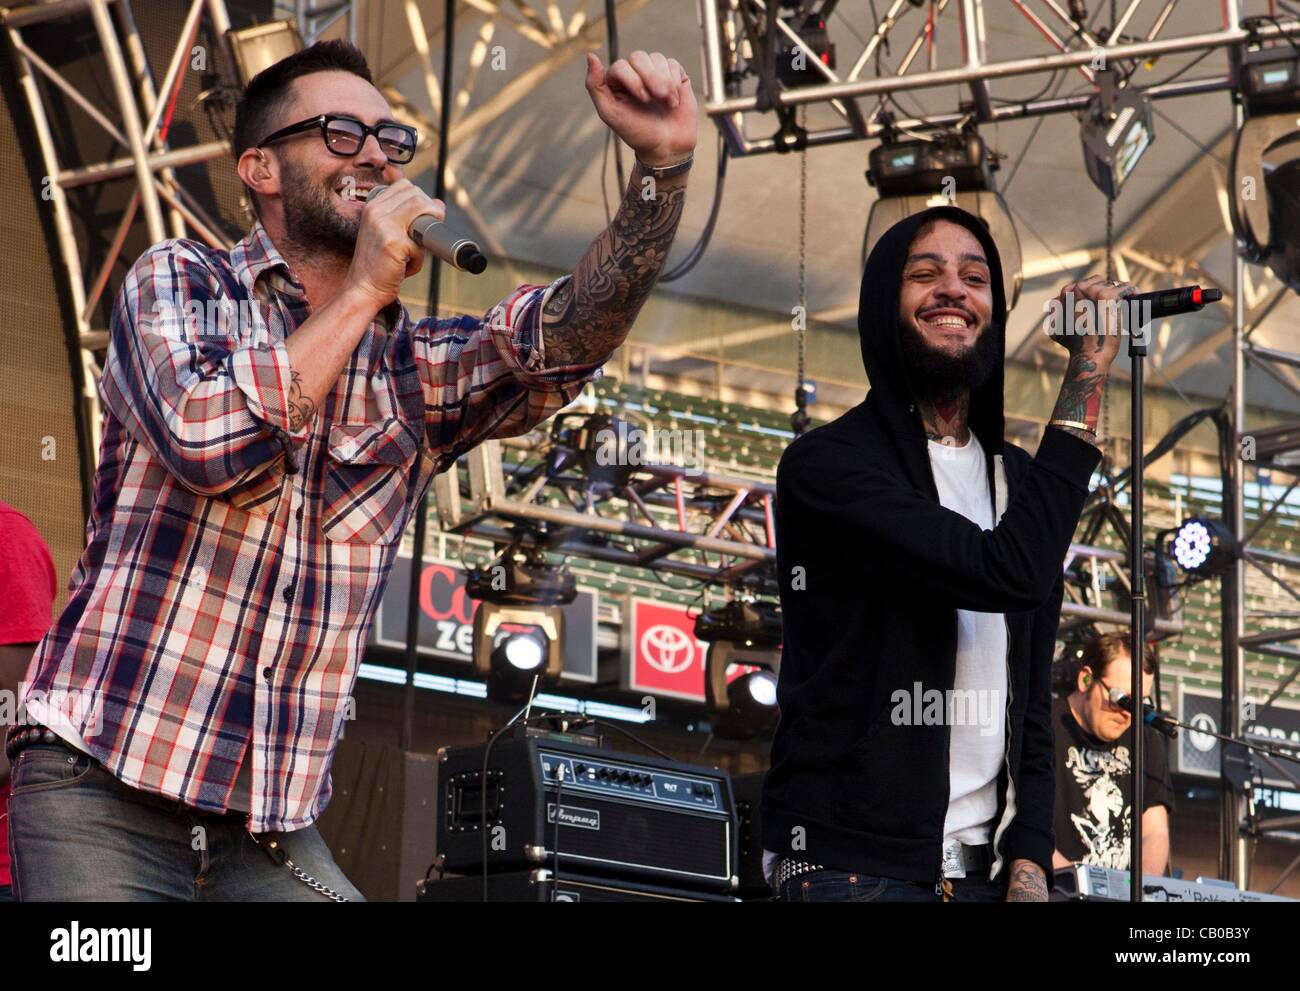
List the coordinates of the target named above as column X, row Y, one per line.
column 272, row 418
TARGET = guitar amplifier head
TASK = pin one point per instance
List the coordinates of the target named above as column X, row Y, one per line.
column 606, row 813
column 542, row 886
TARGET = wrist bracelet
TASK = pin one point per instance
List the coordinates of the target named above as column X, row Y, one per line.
column 1076, row 424
column 667, row 171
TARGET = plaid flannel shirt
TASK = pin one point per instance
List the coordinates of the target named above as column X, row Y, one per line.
column 233, row 564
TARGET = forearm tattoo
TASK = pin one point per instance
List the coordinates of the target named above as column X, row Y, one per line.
column 1028, row 883
column 1080, row 398
column 591, row 314
column 301, row 407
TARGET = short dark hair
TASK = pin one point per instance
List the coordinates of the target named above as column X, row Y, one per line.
column 1097, row 652
column 265, row 95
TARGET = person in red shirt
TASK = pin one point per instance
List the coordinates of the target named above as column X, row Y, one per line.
column 28, row 585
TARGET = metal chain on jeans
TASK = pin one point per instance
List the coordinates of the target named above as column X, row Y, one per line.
column 277, row 854
column 312, row 883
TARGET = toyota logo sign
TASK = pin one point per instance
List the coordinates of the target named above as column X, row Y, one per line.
column 667, row 648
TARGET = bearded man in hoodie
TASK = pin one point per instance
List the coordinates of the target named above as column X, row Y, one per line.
column 920, row 558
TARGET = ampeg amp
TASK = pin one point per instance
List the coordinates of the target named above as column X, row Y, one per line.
column 542, row 885
column 1085, row 882
column 618, row 815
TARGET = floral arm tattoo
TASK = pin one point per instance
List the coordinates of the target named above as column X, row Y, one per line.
column 1080, row 397
column 591, row 314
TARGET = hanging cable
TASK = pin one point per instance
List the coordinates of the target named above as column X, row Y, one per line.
column 611, row 23
column 1110, row 276
column 1110, row 267
column 800, row 420
column 697, row 251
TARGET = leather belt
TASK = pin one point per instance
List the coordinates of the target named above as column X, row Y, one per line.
column 959, row 860
column 24, row 735
column 787, row 868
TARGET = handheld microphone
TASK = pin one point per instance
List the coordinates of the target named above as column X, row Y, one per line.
column 1152, row 716
column 1171, row 302
column 433, row 235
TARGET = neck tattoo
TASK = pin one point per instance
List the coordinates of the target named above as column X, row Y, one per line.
column 945, row 418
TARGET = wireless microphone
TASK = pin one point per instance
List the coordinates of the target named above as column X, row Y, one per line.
column 433, row 235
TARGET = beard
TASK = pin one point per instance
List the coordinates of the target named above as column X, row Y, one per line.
column 312, row 220
column 932, row 372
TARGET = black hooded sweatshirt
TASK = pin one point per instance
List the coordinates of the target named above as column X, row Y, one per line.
column 872, row 572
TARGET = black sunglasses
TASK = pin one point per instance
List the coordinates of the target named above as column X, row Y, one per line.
column 345, row 135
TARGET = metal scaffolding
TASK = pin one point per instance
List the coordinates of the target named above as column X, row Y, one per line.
column 140, row 131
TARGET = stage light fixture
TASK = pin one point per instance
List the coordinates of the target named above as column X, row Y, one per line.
column 792, row 66
column 512, row 644
column 261, row 46
column 1203, row 547
column 741, row 667
column 527, row 581
column 1116, row 132
column 519, row 622
column 523, row 651
column 1266, row 153
column 948, row 168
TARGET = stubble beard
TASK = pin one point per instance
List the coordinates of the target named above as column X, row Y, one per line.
column 313, row 222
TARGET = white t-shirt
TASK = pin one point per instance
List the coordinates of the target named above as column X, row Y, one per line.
column 976, row 711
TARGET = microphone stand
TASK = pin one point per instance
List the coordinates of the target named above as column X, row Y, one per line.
column 1139, row 336
column 1268, row 749
column 1137, row 351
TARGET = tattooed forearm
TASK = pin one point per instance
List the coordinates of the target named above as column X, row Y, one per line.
column 301, row 407
column 591, row 314
column 1028, row 883
column 1080, row 398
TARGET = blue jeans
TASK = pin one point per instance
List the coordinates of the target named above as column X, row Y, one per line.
column 76, row 833
column 844, row 886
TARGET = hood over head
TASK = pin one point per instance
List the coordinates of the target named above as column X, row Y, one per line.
column 878, row 329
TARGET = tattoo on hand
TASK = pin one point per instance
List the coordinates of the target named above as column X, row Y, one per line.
column 591, row 314
column 301, row 408
column 1028, row 884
